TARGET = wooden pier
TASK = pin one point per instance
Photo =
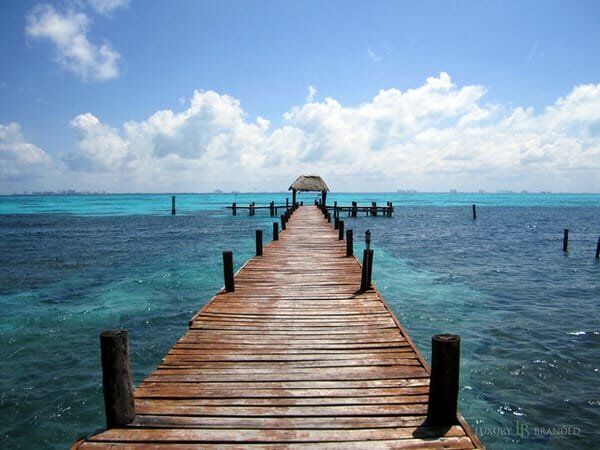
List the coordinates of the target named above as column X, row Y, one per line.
column 295, row 356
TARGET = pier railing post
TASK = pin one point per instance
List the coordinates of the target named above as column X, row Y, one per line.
column 282, row 222
column 566, row 240
column 259, row 242
column 443, row 384
column 328, row 217
column 275, row 231
column 116, row 378
column 336, row 221
column 364, row 284
column 370, row 271
column 349, row 243
column 228, row 271
column 173, row 205
column 341, row 230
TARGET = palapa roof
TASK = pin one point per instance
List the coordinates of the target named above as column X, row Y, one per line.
column 309, row 183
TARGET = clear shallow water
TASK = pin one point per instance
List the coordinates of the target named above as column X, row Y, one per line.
column 528, row 314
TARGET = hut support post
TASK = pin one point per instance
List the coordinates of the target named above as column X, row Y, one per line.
column 116, row 378
column 443, row 384
column 294, row 197
column 324, row 198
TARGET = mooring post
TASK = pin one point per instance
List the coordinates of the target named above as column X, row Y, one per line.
column 336, row 222
column 341, row 230
column 282, row 222
column 173, row 205
column 328, row 217
column 116, row 378
column 275, row 231
column 349, row 243
column 259, row 242
column 272, row 208
column 228, row 271
column 364, row 285
column 566, row 240
column 234, row 208
column 474, row 212
column 354, row 209
column 368, row 239
column 370, row 271
column 443, row 381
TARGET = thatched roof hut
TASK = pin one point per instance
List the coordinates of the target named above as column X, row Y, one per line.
column 307, row 183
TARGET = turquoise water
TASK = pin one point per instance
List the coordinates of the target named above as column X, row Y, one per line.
column 528, row 314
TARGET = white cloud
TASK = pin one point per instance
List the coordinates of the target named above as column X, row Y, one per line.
column 19, row 158
column 374, row 56
column 74, row 51
column 433, row 137
column 312, row 92
column 107, row 6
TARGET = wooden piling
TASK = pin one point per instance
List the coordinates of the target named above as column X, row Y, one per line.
column 282, row 222
column 228, row 271
column 272, row 208
column 373, row 208
column 474, row 213
column 349, row 243
column 328, row 217
column 173, row 205
column 259, row 242
column 368, row 239
column 443, row 384
column 354, row 209
column 598, row 249
column 364, row 276
column 234, row 208
column 566, row 240
column 336, row 222
column 275, row 231
column 370, row 271
column 116, row 378
column 341, row 230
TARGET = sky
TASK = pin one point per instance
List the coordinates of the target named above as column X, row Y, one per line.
column 192, row 96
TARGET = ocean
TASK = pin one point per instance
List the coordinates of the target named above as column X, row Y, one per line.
column 528, row 314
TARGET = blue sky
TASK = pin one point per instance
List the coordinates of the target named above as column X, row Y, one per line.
column 259, row 59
